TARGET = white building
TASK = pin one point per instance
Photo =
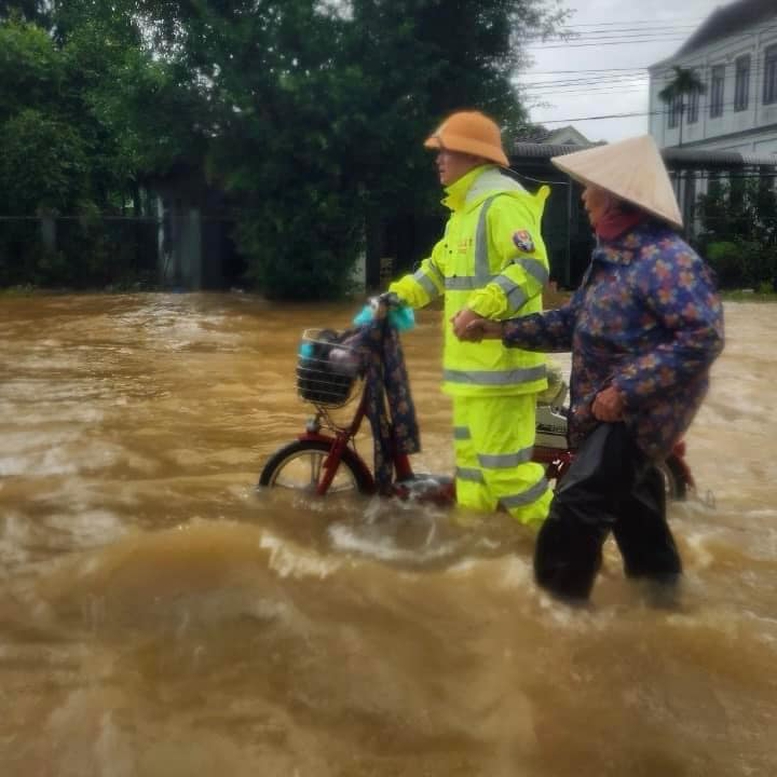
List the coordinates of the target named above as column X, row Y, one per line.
column 734, row 53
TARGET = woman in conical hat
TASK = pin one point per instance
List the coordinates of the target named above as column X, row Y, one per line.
column 632, row 176
column 643, row 327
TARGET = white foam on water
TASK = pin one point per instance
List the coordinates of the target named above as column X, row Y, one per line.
column 516, row 573
column 41, row 453
column 761, row 513
column 90, row 527
column 379, row 542
column 289, row 561
column 67, row 455
column 507, row 573
column 721, row 618
column 767, row 630
column 83, row 735
column 698, row 542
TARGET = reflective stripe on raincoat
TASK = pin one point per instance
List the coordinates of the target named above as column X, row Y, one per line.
column 492, row 260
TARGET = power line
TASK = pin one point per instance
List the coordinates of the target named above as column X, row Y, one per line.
column 575, row 93
column 537, row 99
column 598, row 118
column 664, row 112
column 622, row 28
column 646, row 34
column 577, row 83
column 617, row 81
column 667, row 75
column 685, row 20
column 605, row 43
column 571, row 80
column 625, row 34
column 758, row 67
column 597, row 70
column 527, row 79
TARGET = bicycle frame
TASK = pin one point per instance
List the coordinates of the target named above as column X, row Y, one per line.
column 342, row 438
column 555, row 460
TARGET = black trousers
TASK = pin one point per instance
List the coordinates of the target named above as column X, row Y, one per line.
column 611, row 486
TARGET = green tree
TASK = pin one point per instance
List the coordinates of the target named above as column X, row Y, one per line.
column 30, row 10
column 739, row 231
column 309, row 113
column 685, row 83
column 83, row 115
column 43, row 166
column 31, row 72
column 322, row 110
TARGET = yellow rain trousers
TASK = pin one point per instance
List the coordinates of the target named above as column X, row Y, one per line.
column 493, row 461
column 492, row 260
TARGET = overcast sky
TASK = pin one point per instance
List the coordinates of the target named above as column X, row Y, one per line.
column 602, row 71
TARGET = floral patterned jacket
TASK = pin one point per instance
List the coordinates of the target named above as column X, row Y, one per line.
column 645, row 319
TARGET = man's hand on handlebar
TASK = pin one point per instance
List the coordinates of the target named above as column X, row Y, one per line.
column 384, row 302
column 391, row 300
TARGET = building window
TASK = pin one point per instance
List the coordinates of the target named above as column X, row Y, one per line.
column 675, row 109
column 770, row 75
column 742, row 83
column 716, row 91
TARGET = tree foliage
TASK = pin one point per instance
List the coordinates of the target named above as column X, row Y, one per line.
column 323, row 110
column 685, row 83
column 309, row 113
column 77, row 137
column 95, row 109
column 739, row 232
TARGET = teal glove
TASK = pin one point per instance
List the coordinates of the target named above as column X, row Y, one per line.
column 402, row 318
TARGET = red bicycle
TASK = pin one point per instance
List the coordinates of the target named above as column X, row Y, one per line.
column 324, row 458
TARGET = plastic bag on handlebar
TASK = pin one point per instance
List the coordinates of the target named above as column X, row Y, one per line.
column 400, row 316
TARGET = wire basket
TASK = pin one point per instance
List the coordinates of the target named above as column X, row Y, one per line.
column 327, row 369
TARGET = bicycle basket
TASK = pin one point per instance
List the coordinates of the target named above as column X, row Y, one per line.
column 327, row 368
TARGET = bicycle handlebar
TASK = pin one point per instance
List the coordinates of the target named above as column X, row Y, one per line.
column 384, row 303
column 387, row 306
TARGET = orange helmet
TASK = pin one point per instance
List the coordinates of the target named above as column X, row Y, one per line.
column 470, row 132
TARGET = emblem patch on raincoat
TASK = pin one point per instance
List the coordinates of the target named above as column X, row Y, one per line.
column 523, row 241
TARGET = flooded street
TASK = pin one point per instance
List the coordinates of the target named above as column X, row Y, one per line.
column 160, row 618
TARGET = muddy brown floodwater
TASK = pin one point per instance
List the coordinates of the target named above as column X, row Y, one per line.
column 160, row 618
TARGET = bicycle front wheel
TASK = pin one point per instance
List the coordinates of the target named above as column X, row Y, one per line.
column 299, row 466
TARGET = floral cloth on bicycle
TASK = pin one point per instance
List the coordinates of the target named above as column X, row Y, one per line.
column 395, row 429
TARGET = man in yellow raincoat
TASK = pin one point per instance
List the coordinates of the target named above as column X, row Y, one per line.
column 491, row 262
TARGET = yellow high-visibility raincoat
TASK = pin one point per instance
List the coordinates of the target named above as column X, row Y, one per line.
column 492, row 260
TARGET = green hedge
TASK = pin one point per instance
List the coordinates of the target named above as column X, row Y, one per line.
column 744, row 264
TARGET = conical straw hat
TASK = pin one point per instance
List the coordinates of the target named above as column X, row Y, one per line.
column 632, row 170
